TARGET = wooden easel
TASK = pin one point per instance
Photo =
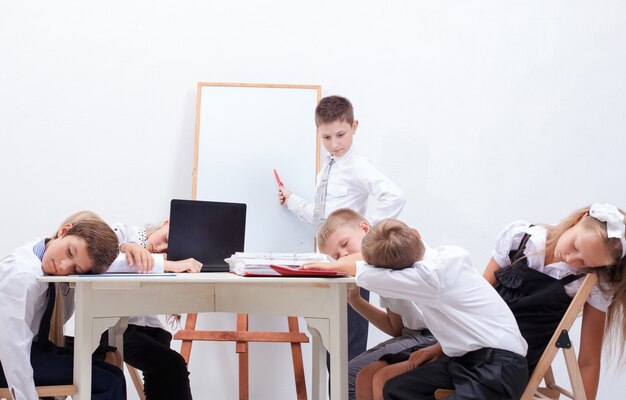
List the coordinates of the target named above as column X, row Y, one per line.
column 243, row 336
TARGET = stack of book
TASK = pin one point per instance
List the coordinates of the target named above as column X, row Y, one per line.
column 258, row 264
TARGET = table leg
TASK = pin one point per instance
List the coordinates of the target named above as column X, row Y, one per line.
column 318, row 328
column 332, row 333
column 338, row 347
column 83, row 343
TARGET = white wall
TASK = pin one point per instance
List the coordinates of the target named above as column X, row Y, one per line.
column 483, row 111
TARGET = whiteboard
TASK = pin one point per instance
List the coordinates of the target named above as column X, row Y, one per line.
column 243, row 133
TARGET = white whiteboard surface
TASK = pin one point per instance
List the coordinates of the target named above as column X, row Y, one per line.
column 243, row 133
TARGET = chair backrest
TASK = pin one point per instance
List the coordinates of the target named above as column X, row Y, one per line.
column 561, row 341
column 45, row 391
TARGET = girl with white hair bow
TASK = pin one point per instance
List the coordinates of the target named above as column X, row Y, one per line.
column 591, row 239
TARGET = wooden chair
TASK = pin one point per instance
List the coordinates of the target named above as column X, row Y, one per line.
column 242, row 336
column 560, row 341
column 61, row 391
column 57, row 337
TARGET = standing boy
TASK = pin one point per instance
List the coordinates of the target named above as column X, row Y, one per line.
column 26, row 354
column 346, row 180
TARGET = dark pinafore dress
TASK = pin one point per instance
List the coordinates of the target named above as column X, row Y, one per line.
column 538, row 301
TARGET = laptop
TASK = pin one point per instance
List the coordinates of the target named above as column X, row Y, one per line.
column 207, row 231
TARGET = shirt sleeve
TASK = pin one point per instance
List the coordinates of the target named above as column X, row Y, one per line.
column 418, row 283
column 120, row 265
column 600, row 297
column 509, row 239
column 302, row 208
column 19, row 294
column 126, row 233
column 389, row 197
column 383, row 302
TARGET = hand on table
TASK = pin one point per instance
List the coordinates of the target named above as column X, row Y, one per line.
column 188, row 265
column 138, row 257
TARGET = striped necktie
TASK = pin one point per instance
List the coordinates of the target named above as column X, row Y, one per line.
column 319, row 212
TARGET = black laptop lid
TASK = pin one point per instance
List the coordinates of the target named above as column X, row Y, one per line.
column 207, row 231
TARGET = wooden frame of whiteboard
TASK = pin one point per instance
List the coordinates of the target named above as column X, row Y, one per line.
column 242, row 336
column 257, row 85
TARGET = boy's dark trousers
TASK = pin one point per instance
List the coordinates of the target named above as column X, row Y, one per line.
column 55, row 366
column 484, row 374
column 164, row 370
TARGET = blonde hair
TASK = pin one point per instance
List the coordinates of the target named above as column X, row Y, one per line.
column 612, row 274
column 392, row 244
column 341, row 217
column 77, row 216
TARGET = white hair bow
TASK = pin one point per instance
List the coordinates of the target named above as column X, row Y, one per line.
column 614, row 221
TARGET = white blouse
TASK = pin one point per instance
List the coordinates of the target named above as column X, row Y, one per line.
column 510, row 239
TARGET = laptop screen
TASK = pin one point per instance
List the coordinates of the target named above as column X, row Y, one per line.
column 207, row 231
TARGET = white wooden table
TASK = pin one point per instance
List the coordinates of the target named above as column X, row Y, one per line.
column 103, row 301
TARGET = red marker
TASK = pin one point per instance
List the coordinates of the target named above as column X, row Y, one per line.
column 280, row 183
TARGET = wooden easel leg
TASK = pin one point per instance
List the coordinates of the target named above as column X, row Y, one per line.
column 241, row 337
column 242, row 350
column 298, row 365
column 185, row 347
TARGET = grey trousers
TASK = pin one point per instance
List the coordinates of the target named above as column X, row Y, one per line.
column 408, row 339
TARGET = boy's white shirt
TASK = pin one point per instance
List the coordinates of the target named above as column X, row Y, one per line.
column 461, row 309
column 351, row 181
column 411, row 315
column 24, row 302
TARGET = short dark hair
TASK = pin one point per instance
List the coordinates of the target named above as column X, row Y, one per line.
column 102, row 243
column 392, row 244
column 334, row 108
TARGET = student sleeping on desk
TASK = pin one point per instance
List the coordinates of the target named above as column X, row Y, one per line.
column 146, row 341
column 27, row 356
